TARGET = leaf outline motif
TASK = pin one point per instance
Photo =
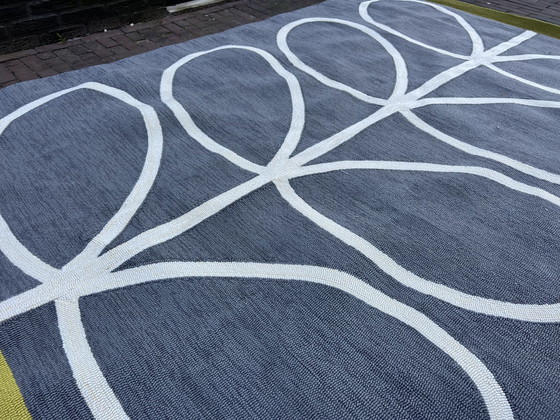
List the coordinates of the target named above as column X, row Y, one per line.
column 279, row 171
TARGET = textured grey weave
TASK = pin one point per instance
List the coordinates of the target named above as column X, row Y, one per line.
column 351, row 211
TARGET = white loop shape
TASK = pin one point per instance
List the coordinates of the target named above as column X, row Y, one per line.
column 400, row 65
column 477, row 45
column 491, row 392
column 523, row 312
column 298, row 109
column 20, row 256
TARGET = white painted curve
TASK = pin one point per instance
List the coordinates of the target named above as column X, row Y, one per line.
column 477, row 44
column 19, row 255
column 522, row 80
column 477, row 151
column 401, row 81
column 98, row 395
column 456, row 100
column 185, row 119
column 523, row 312
column 492, row 394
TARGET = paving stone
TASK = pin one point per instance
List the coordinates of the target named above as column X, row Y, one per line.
column 175, row 39
column 125, row 41
column 79, row 49
column 47, row 72
column 103, row 35
column 147, row 45
column 23, row 73
column 527, row 8
column 63, row 53
column 45, row 55
column 176, row 29
column 11, row 63
column 119, row 50
column 183, row 23
column 147, row 33
column 16, row 55
column 47, row 48
column 52, row 62
column 6, row 75
column 34, row 62
column 138, row 26
column 105, row 47
column 135, row 36
column 108, row 42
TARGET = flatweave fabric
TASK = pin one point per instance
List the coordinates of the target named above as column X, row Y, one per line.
column 351, row 211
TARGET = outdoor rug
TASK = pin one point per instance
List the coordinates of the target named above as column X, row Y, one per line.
column 350, row 211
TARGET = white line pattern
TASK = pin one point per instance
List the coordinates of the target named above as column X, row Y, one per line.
column 89, row 272
column 97, row 393
column 477, row 46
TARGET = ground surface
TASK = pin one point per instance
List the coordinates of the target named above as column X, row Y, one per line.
column 547, row 10
column 113, row 45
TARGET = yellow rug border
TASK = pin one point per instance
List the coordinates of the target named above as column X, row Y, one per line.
column 12, row 405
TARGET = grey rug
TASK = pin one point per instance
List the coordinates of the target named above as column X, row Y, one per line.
column 350, row 211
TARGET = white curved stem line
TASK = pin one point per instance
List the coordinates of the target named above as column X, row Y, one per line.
column 298, row 109
column 509, row 44
column 525, row 57
column 522, row 80
column 405, row 102
column 162, row 233
column 523, row 312
column 30, row 299
column 477, row 45
column 93, row 386
column 143, row 185
column 45, row 293
column 328, row 144
column 400, row 65
column 452, row 73
column 10, row 246
column 112, row 259
column 19, row 255
column 492, row 394
column 477, row 151
column 485, row 101
column 489, row 174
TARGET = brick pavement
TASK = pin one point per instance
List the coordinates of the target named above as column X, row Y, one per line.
column 546, row 10
column 113, row 45
column 116, row 44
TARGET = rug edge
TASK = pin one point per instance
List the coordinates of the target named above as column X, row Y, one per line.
column 546, row 28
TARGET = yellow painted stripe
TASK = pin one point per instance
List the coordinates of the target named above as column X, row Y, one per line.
column 12, row 405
